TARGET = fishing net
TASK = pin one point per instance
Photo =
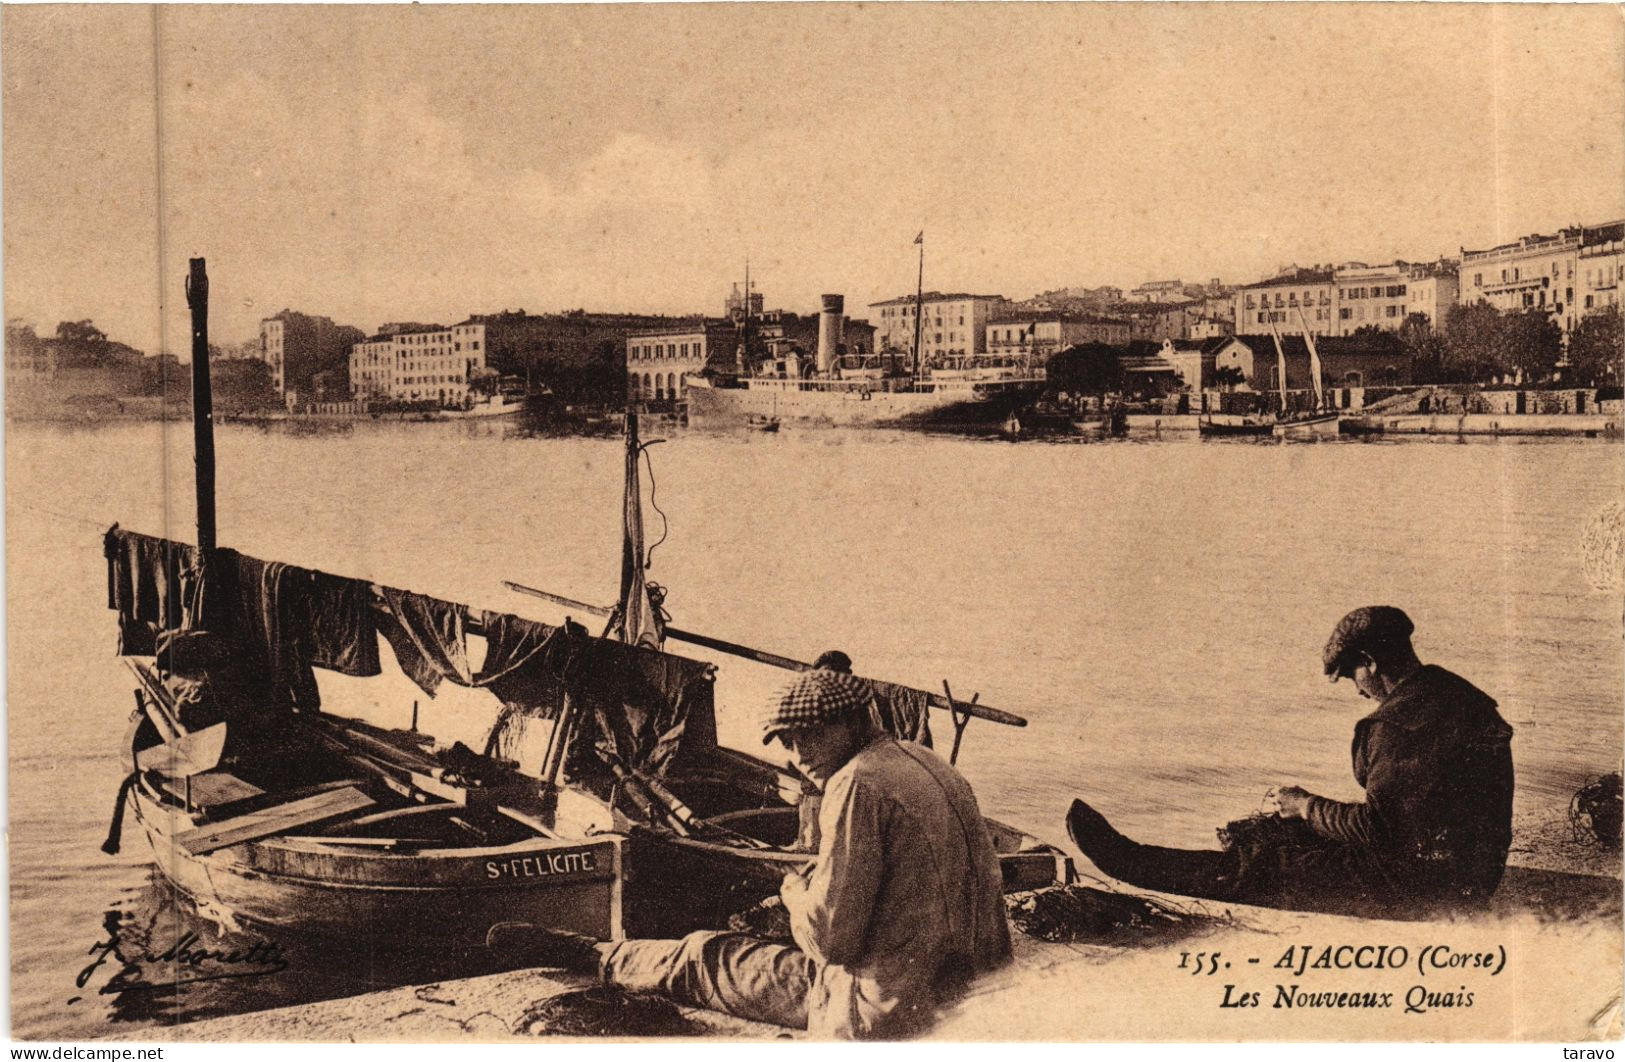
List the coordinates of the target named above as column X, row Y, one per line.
column 1595, row 812
column 605, row 1010
column 767, row 920
column 1081, row 913
column 1266, row 831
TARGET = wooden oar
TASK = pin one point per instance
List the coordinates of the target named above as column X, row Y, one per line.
column 936, row 700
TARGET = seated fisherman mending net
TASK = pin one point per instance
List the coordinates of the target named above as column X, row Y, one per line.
column 902, row 907
column 1431, row 836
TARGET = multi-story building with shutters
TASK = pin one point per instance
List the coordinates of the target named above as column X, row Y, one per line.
column 953, row 325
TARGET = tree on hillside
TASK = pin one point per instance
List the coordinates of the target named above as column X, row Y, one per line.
column 1531, row 342
column 1597, row 349
column 243, row 385
column 1425, row 346
column 1472, row 351
column 81, row 332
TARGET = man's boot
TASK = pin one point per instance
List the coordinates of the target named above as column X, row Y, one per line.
column 524, row 944
column 1207, row 875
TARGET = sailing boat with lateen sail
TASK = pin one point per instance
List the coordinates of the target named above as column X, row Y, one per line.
column 1305, row 424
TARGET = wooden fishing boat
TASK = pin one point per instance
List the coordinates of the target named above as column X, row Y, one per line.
column 367, row 853
column 1316, row 423
column 272, row 811
column 1309, row 426
column 1236, row 424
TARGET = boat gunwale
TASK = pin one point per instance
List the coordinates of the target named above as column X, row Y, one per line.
column 163, row 825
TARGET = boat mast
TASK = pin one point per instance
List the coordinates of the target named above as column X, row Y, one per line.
column 1280, row 364
column 919, row 295
column 1314, row 360
column 197, row 297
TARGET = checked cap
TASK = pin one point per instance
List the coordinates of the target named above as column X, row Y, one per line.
column 816, row 696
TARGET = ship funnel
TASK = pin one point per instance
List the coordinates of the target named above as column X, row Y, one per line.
column 829, row 331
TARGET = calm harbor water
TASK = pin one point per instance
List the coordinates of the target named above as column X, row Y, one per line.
column 1156, row 610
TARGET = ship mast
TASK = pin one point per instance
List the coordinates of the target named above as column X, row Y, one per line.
column 919, row 294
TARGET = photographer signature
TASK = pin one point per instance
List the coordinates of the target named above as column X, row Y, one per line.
column 185, row 962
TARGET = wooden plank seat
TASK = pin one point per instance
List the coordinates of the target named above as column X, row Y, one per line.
column 267, row 822
column 210, row 789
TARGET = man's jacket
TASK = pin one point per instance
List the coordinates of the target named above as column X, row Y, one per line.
column 905, row 900
column 1435, row 760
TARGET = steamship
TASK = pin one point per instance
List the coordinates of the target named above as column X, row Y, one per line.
column 834, row 389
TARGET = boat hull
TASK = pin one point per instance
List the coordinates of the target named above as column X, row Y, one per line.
column 732, row 407
column 1235, row 427
column 406, row 901
column 1321, row 427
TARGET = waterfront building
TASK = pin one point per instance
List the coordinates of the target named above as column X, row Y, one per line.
column 296, row 346
column 1279, row 299
column 372, row 367
column 657, row 361
column 1431, row 289
column 952, row 325
column 1534, row 272
column 1042, row 335
column 29, row 358
column 1368, row 296
column 1345, row 361
column 580, row 356
column 420, row 363
column 1342, row 300
column 1192, row 360
column 1600, row 269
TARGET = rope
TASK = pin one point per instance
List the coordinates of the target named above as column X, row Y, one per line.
column 665, row 524
column 70, row 517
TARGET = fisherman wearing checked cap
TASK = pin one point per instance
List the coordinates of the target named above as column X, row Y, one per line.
column 901, row 907
column 1431, row 835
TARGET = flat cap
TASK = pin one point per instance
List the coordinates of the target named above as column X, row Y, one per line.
column 814, row 697
column 1360, row 631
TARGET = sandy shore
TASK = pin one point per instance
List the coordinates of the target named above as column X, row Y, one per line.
column 1546, row 978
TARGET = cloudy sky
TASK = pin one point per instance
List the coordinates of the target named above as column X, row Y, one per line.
column 392, row 163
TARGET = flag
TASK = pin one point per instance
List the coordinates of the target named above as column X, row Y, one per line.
column 921, row 237
column 637, row 620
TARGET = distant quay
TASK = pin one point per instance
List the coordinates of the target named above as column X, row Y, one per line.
column 1596, row 425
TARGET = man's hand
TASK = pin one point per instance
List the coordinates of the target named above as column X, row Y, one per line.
column 795, row 881
column 1292, row 802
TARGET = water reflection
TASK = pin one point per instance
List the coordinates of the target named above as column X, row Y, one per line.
column 159, row 961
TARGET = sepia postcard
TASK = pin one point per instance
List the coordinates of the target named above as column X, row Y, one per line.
column 962, row 522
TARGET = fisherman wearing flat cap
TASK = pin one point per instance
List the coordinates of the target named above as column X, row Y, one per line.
column 902, row 906
column 1431, row 835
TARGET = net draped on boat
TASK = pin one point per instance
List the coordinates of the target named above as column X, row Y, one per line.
column 644, row 707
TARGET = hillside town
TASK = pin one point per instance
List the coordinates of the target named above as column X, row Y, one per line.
column 1537, row 313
